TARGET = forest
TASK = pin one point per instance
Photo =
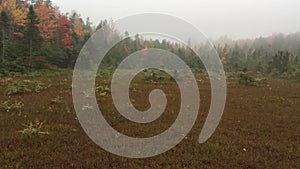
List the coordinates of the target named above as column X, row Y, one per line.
column 36, row 35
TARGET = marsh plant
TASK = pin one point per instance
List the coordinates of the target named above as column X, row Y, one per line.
column 32, row 128
column 10, row 106
column 57, row 100
column 104, row 90
column 25, row 86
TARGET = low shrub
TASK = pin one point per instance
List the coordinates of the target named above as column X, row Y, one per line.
column 246, row 79
column 25, row 86
column 9, row 106
column 154, row 77
column 33, row 129
column 296, row 75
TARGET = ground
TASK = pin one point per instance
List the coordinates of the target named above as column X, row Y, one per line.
column 39, row 128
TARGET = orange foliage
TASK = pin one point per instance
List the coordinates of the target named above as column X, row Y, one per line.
column 47, row 25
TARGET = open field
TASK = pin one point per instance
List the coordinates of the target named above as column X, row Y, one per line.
column 39, row 129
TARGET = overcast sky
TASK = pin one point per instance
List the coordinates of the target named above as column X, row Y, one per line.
column 215, row 18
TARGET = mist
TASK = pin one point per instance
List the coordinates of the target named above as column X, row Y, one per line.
column 233, row 18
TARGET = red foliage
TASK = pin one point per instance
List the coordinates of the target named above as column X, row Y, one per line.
column 223, row 60
column 64, row 26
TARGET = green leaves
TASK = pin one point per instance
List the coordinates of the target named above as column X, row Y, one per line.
column 25, row 86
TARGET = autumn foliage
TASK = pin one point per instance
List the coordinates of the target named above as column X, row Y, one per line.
column 64, row 26
column 37, row 29
column 47, row 25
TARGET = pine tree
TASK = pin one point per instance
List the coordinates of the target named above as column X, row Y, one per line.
column 282, row 61
column 32, row 34
column 4, row 24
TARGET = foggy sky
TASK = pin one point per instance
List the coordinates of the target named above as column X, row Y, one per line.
column 234, row 18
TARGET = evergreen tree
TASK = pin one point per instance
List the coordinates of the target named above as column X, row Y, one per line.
column 32, row 34
column 282, row 61
column 4, row 24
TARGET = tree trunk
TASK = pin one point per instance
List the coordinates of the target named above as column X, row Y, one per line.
column 3, row 45
column 30, row 52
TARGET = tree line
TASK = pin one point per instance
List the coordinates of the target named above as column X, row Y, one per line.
column 277, row 55
column 36, row 35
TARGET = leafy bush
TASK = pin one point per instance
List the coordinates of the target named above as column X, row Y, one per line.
column 12, row 66
column 153, row 76
column 246, row 79
column 296, row 75
column 251, row 78
column 25, row 86
column 103, row 89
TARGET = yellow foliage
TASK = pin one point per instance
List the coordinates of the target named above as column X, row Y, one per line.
column 18, row 15
column 78, row 26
